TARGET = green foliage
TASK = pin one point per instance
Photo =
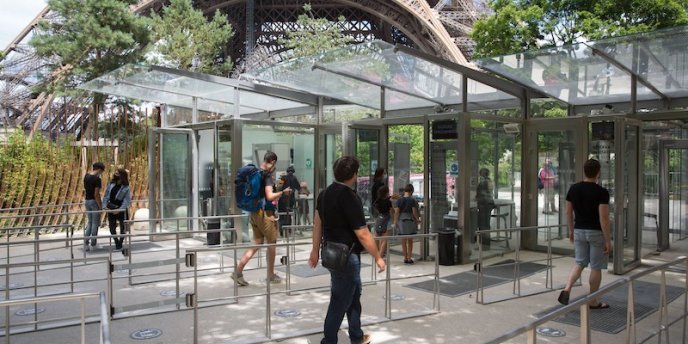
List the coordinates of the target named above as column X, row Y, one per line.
column 413, row 135
column 185, row 39
column 89, row 38
column 521, row 25
column 21, row 161
column 314, row 35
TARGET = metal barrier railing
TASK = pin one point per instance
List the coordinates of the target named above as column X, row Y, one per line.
column 7, row 268
column 46, row 206
column 530, row 329
column 192, row 299
column 516, row 290
column 70, row 244
column 104, row 324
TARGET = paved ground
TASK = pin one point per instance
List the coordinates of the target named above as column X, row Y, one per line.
column 460, row 319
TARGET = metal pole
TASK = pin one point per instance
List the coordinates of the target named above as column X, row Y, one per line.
column 7, row 297
column 549, row 279
column 685, row 306
column 479, row 286
column 584, row 324
column 83, row 321
column 436, row 297
column 268, row 333
column 630, row 314
column 195, row 301
column 388, row 284
column 177, row 272
column 663, row 311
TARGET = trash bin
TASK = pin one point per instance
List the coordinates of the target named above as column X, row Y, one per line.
column 211, row 224
column 445, row 242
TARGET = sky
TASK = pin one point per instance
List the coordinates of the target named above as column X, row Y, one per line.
column 14, row 16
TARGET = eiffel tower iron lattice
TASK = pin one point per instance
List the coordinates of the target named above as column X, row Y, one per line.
column 441, row 28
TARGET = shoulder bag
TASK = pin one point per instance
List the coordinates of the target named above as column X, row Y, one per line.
column 334, row 255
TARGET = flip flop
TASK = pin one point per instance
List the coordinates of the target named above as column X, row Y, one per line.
column 564, row 297
column 601, row 305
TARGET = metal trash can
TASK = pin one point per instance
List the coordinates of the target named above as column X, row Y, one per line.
column 211, row 224
column 445, row 242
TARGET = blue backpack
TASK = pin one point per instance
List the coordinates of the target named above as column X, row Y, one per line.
column 247, row 190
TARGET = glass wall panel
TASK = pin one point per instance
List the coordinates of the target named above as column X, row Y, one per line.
column 224, row 177
column 631, row 251
column 678, row 194
column 295, row 147
column 175, row 188
column 367, row 151
column 653, row 133
column 556, row 173
column 495, row 185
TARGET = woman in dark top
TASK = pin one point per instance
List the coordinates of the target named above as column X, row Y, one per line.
column 117, row 199
column 407, row 218
column 378, row 182
column 383, row 206
column 589, row 232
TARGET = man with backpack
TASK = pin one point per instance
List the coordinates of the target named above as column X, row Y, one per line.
column 255, row 194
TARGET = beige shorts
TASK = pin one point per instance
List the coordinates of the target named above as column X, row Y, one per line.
column 264, row 226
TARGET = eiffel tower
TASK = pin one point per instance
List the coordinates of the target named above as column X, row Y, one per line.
column 440, row 28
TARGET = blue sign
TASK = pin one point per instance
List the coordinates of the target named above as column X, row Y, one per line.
column 454, row 169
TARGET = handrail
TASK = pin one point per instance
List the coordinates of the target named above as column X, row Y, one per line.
column 57, row 298
column 582, row 304
column 3, row 210
column 192, row 300
column 549, row 283
column 104, row 320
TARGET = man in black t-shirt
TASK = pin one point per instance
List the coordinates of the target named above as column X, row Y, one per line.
column 92, row 186
column 343, row 221
column 589, row 230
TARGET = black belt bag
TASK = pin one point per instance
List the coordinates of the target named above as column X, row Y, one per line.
column 335, row 255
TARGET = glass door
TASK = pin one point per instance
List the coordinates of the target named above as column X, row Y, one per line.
column 172, row 155
column 223, row 177
column 556, row 161
column 365, row 146
column 615, row 143
column 673, row 192
column 331, row 147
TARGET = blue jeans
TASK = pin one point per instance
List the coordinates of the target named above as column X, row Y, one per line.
column 345, row 298
column 92, row 222
column 589, row 245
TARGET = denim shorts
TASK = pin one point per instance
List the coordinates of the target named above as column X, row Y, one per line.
column 589, row 245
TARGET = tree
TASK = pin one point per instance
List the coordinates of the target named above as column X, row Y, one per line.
column 87, row 39
column 521, row 25
column 314, row 35
column 185, row 39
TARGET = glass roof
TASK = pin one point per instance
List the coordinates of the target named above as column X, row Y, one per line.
column 357, row 74
column 600, row 72
column 168, row 86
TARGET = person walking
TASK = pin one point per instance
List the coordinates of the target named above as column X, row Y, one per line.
column 378, row 182
column 92, row 186
column 117, row 200
column 383, row 221
column 485, row 201
column 339, row 217
column 287, row 204
column 302, row 205
column 407, row 219
column 263, row 221
column 548, row 178
column 587, row 216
